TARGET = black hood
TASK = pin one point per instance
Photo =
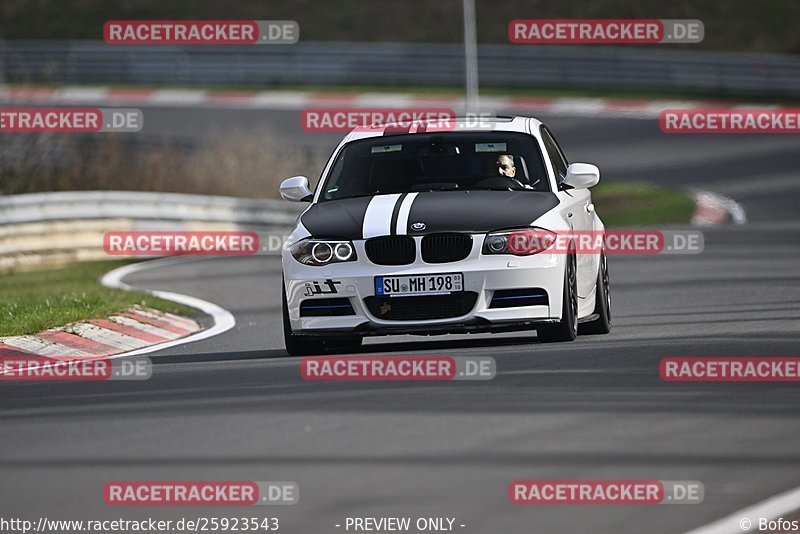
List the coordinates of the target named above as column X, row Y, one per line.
column 474, row 212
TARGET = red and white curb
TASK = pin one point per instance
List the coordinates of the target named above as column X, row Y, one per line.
column 222, row 318
column 299, row 100
column 712, row 209
column 135, row 328
column 134, row 332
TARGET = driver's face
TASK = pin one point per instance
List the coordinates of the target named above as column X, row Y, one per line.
column 505, row 167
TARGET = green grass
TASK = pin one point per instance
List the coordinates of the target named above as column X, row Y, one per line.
column 640, row 204
column 32, row 302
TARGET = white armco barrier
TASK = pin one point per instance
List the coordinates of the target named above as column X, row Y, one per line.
column 52, row 228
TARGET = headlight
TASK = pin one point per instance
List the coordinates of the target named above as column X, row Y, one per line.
column 521, row 242
column 320, row 252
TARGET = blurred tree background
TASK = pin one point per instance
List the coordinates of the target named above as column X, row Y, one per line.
column 735, row 25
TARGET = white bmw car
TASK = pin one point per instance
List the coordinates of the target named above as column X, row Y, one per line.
column 416, row 230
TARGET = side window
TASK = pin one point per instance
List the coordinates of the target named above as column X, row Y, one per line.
column 556, row 155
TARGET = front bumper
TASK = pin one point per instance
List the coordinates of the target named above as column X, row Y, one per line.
column 484, row 275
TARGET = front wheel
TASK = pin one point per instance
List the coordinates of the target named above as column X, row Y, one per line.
column 602, row 305
column 567, row 328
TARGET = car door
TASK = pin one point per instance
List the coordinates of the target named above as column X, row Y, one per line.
column 579, row 212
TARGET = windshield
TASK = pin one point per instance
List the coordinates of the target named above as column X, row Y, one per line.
column 455, row 161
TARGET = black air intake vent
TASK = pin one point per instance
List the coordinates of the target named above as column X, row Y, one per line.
column 326, row 308
column 421, row 308
column 514, row 298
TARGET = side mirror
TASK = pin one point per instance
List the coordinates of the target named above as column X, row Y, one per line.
column 296, row 189
column 581, row 176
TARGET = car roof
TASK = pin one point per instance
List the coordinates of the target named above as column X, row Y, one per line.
column 461, row 124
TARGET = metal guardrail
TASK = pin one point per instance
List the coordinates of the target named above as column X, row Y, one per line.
column 70, row 205
column 344, row 63
column 43, row 229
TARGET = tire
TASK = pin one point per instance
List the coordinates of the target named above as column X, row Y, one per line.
column 567, row 328
column 602, row 306
column 300, row 345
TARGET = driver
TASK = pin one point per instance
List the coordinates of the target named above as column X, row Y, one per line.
column 504, row 164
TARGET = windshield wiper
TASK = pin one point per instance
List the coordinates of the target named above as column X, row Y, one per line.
column 485, row 188
column 432, row 189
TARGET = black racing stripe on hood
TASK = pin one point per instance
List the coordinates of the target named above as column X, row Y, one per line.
column 396, row 212
column 337, row 218
column 478, row 211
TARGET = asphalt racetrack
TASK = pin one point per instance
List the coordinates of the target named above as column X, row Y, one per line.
column 234, row 407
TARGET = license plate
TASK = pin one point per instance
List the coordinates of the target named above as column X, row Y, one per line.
column 423, row 284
